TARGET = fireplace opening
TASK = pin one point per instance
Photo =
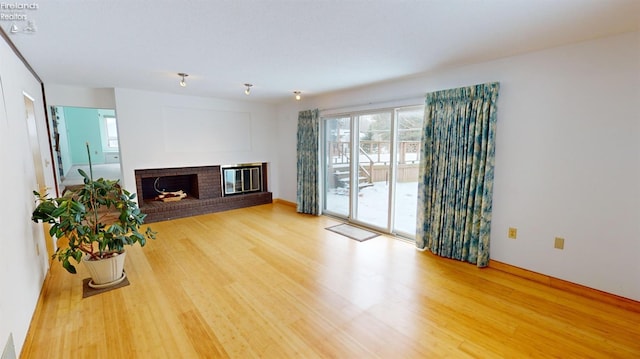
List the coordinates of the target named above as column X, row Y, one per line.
column 153, row 186
column 240, row 179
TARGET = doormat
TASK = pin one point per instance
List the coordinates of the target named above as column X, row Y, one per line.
column 352, row 232
column 88, row 291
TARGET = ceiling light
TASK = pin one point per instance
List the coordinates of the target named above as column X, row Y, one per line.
column 297, row 93
column 182, row 82
column 247, row 91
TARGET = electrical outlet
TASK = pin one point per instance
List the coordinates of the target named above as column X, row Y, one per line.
column 559, row 243
column 513, row 233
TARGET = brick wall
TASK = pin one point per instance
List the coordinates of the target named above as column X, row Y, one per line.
column 204, row 192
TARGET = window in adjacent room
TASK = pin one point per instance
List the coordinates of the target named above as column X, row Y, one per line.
column 111, row 132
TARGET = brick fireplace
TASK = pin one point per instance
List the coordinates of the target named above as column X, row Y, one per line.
column 203, row 186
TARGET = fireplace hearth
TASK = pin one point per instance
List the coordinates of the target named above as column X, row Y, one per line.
column 203, row 186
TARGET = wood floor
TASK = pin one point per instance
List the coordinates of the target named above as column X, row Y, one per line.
column 267, row 282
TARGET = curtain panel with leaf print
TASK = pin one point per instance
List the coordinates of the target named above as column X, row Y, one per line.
column 455, row 184
column 307, row 194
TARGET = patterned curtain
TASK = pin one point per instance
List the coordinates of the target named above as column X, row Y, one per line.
column 456, row 173
column 308, row 197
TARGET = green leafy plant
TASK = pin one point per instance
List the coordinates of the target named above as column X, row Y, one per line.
column 97, row 220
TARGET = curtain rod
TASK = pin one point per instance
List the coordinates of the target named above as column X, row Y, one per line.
column 419, row 100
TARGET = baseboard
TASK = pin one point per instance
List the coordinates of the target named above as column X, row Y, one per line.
column 285, row 202
column 626, row 303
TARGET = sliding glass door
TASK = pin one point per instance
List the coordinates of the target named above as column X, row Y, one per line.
column 371, row 168
column 407, row 162
column 337, row 169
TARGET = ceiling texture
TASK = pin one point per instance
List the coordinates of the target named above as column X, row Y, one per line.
column 280, row 46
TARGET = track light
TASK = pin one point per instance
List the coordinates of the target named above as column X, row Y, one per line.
column 182, row 82
column 247, row 91
column 297, row 93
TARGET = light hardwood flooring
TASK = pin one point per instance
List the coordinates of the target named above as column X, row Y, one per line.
column 267, row 282
column 107, row 170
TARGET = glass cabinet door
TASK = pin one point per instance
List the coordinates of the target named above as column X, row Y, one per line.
column 239, row 184
column 242, row 180
column 255, row 179
column 229, row 181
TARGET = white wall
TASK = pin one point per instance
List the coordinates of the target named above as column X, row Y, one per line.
column 62, row 95
column 152, row 136
column 287, row 132
column 567, row 156
column 24, row 258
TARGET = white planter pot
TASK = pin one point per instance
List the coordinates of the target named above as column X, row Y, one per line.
column 106, row 272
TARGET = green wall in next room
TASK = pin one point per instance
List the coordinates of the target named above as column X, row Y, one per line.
column 83, row 125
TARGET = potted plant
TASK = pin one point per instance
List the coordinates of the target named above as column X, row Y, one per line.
column 97, row 220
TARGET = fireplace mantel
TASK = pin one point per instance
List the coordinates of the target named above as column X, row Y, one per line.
column 203, row 186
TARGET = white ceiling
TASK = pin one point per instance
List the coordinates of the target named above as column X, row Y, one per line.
column 315, row 46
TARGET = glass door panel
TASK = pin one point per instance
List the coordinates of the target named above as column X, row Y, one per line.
column 407, row 164
column 229, row 181
column 255, row 179
column 337, row 156
column 372, row 170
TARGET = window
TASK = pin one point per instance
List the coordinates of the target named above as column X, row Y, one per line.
column 111, row 133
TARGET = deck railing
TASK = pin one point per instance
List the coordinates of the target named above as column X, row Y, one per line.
column 374, row 160
column 378, row 151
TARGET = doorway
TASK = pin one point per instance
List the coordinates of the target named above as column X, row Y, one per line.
column 30, row 116
column 73, row 128
column 371, row 161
